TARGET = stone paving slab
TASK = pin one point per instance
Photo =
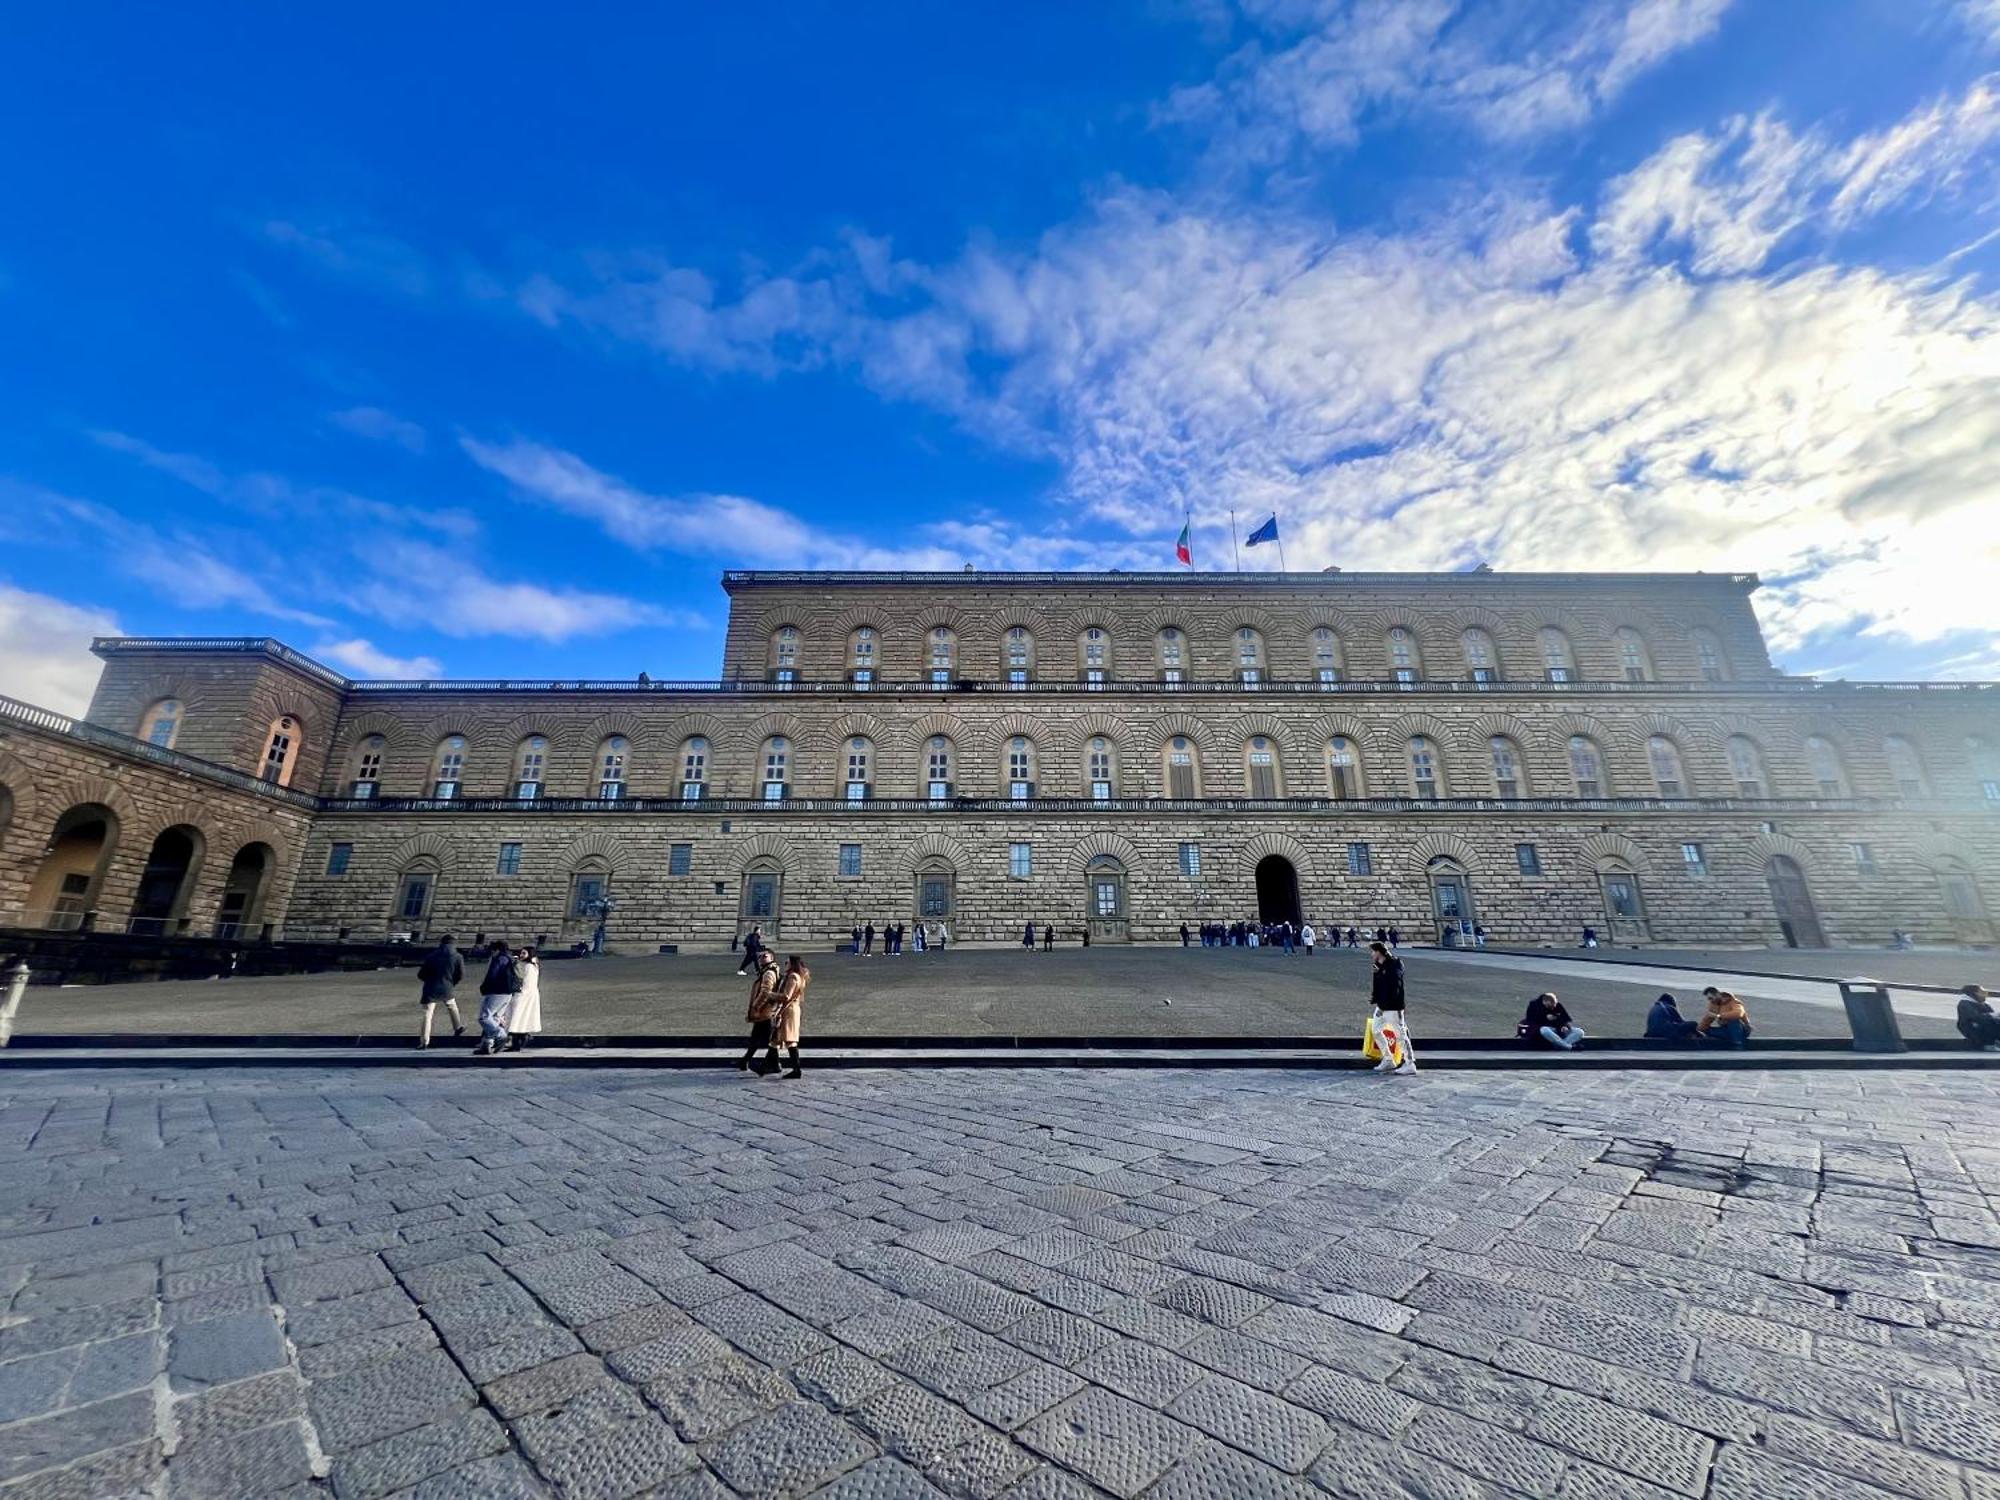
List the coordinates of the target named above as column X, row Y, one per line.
column 1053, row 1285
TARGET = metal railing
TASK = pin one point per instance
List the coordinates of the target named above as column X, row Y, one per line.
column 13, row 710
column 133, row 645
column 1350, row 687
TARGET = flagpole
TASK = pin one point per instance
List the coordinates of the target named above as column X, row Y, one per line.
column 1234, row 551
column 1281, row 546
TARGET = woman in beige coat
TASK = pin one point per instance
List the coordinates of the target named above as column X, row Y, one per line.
column 763, row 1008
column 791, row 1007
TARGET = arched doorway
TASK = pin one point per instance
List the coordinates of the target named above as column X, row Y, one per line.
column 242, row 909
column 936, row 892
column 1451, row 897
column 1104, row 894
column 1624, row 906
column 1963, row 904
column 63, row 895
column 416, row 898
column 761, row 903
column 1798, row 918
column 1278, row 891
column 160, row 907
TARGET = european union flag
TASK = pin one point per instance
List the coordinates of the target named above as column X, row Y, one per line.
column 1268, row 532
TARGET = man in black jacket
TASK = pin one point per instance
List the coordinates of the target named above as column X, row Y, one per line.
column 438, row 975
column 1385, row 991
column 496, row 992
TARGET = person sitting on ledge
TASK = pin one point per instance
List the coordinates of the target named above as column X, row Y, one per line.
column 1977, row 1021
column 1665, row 1023
column 1548, row 1024
column 1726, row 1019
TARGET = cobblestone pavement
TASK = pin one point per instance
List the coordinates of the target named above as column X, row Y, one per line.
column 876, row 1286
column 1102, row 991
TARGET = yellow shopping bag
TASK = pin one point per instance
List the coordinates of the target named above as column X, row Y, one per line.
column 1371, row 1048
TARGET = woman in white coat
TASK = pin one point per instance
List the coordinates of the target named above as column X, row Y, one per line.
column 524, row 1019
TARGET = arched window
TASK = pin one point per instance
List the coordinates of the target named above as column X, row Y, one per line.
column 1482, row 660
column 1746, row 766
column 1172, row 647
column 1405, row 663
column 281, row 749
column 1100, row 769
column 777, row 762
column 941, row 661
column 1183, row 769
column 860, row 769
column 1633, row 658
column 1249, row 657
column 1260, row 766
column 1020, row 768
column 1425, row 781
column 1325, row 644
column 1020, row 649
column 1708, row 657
column 784, row 659
column 1343, row 769
column 694, row 768
column 531, row 767
column 611, row 758
column 161, row 723
column 1093, row 652
column 1985, row 768
column 937, row 768
column 1828, row 772
column 1507, row 778
column 1669, row 774
column 365, row 775
column 862, row 656
column 1558, row 661
column 448, row 768
column 1586, row 766
column 1906, row 767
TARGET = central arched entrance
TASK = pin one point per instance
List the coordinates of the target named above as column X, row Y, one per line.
column 1278, row 891
column 1104, row 890
column 242, row 911
column 161, row 903
column 64, row 892
column 936, row 884
column 1798, row 918
column 1451, row 898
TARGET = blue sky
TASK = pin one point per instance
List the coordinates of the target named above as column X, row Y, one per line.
column 433, row 346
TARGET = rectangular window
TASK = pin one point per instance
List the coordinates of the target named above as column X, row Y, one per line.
column 680, row 858
column 337, row 858
column 1020, row 861
column 585, row 892
column 1527, row 859
column 1696, row 859
column 1359, row 860
column 1172, row 676
column 1483, row 675
column 1093, row 678
column 850, row 859
column 510, row 860
column 527, row 791
column 1558, row 674
column 1020, row 791
column 1191, row 861
column 1017, row 677
column 1990, row 790
column 1864, row 859
column 784, row 677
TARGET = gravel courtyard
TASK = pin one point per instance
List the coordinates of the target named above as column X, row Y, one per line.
column 1115, row 992
column 1042, row 1286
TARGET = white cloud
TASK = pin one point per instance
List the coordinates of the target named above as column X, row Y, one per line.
column 380, row 426
column 367, row 660
column 355, row 253
column 45, row 649
column 458, row 600
column 1730, row 198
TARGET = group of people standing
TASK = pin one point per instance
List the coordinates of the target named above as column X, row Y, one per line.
column 894, row 936
column 510, row 994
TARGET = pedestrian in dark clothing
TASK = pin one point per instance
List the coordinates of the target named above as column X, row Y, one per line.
column 763, row 1011
column 1977, row 1022
column 437, row 976
column 1665, row 1023
column 1049, row 938
column 1184, row 934
column 753, row 944
column 1387, row 995
column 502, row 982
column 1395, row 938
column 868, row 939
column 1547, row 1023
column 857, row 945
column 1353, row 937
column 1028, row 937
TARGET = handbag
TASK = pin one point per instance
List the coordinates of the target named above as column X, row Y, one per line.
column 1371, row 1045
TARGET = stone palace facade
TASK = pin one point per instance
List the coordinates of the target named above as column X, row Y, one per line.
column 1117, row 753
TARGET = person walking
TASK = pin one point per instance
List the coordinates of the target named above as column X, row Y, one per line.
column 1184, row 934
column 753, row 944
column 1049, row 938
column 524, row 1016
column 437, row 976
column 1548, row 1024
column 1308, row 937
column 763, row 1008
column 868, row 940
column 497, row 989
column 1028, row 937
column 857, row 944
column 790, row 995
column 1386, row 992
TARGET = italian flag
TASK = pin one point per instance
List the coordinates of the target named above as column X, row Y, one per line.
column 1184, row 549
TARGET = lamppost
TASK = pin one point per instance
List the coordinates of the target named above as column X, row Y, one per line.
column 600, row 907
